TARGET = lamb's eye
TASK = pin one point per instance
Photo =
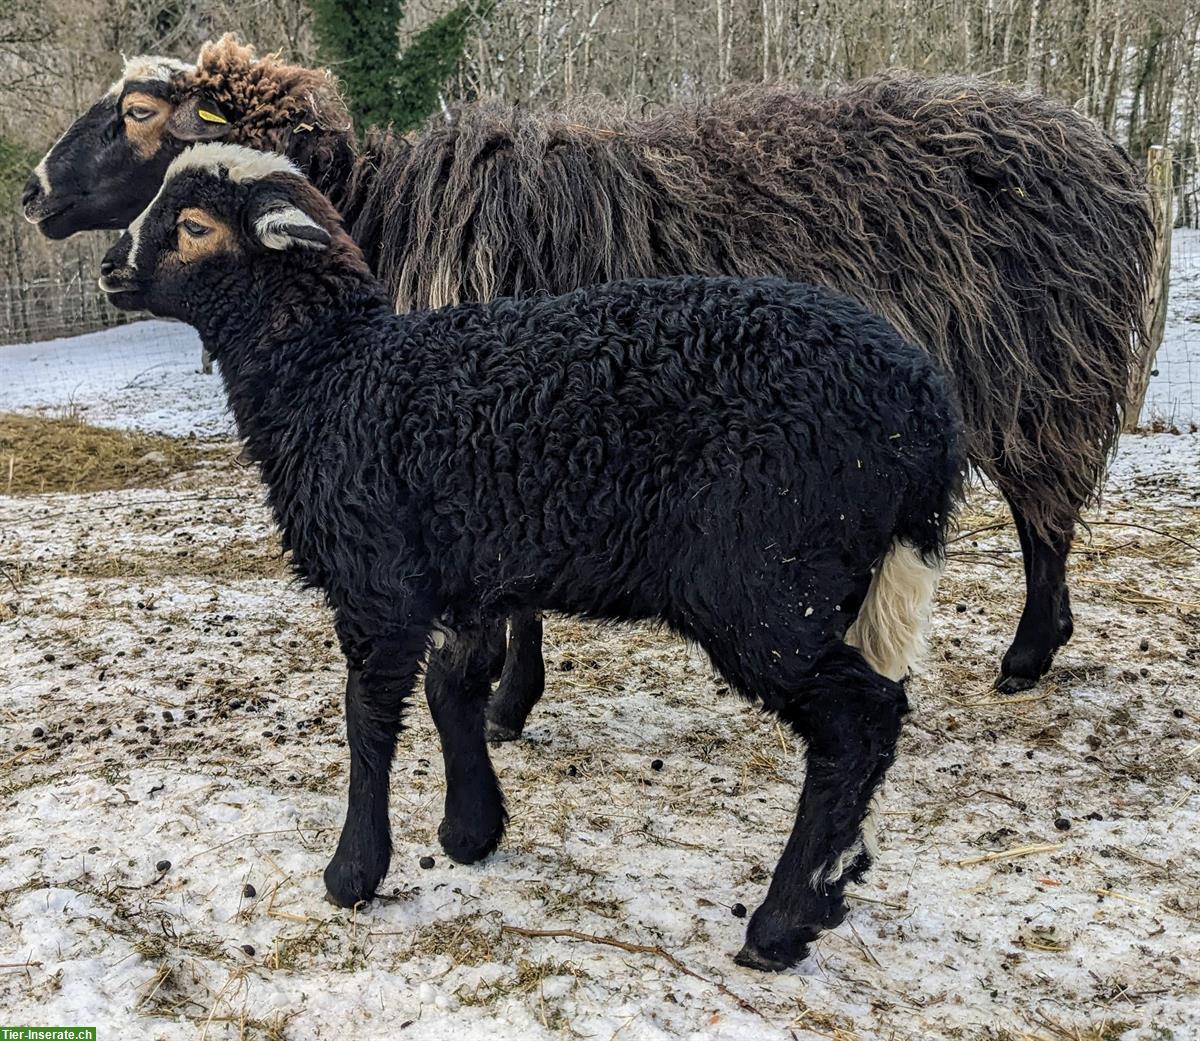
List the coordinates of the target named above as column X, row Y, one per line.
column 140, row 113
column 194, row 229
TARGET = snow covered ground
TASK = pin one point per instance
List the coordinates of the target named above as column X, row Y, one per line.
column 122, row 609
column 144, row 376
column 170, row 696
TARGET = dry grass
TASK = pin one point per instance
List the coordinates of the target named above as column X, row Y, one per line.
column 39, row 455
column 234, row 560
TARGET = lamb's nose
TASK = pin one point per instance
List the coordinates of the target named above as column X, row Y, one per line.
column 31, row 193
column 107, row 267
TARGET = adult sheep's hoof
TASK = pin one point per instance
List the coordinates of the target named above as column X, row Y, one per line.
column 1007, row 684
column 1023, row 665
column 499, row 733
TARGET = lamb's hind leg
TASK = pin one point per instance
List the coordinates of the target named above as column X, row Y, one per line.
column 457, row 687
column 497, row 640
column 850, row 718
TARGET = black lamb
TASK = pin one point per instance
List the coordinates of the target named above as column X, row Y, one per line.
column 765, row 468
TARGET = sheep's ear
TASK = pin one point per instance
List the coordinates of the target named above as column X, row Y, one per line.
column 198, row 119
column 285, row 226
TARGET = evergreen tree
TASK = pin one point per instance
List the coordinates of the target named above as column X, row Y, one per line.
column 361, row 40
column 430, row 61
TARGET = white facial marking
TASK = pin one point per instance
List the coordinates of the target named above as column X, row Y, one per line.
column 243, row 164
column 135, row 229
column 42, row 173
column 146, row 68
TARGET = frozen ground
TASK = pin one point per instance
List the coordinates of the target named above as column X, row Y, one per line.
column 982, row 920
column 121, row 608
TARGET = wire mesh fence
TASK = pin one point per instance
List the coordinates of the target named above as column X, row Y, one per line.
column 1173, row 399
column 65, row 351
column 48, row 289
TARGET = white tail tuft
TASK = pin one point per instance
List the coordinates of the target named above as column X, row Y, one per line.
column 890, row 627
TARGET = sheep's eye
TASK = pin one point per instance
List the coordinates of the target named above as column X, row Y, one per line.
column 140, row 113
column 194, row 229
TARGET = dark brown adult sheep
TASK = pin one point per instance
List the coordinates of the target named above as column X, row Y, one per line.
column 999, row 230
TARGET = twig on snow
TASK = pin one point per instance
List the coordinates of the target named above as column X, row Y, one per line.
column 635, row 948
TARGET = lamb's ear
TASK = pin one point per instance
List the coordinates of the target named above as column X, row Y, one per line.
column 198, row 119
column 281, row 225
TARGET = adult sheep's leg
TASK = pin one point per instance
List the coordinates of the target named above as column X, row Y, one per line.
column 497, row 641
column 522, row 682
column 457, row 687
column 1046, row 623
column 377, row 687
column 850, row 718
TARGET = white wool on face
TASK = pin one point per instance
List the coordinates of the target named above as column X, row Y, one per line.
column 135, row 230
column 149, row 67
column 41, row 172
column 242, row 164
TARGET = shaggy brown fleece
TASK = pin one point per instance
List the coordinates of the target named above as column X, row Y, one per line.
column 278, row 107
column 999, row 230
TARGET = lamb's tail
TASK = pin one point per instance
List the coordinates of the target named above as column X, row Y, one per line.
column 891, row 624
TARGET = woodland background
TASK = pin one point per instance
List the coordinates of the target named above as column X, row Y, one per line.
column 1132, row 65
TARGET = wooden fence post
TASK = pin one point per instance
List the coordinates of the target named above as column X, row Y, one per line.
column 1158, row 179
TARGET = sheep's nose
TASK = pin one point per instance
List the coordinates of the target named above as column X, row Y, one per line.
column 107, row 267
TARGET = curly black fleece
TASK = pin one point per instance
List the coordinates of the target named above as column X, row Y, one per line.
column 626, row 451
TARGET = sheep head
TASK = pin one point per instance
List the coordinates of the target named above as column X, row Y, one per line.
column 110, row 162
column 234, row 235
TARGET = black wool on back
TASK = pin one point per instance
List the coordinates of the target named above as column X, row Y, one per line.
column 626, row 451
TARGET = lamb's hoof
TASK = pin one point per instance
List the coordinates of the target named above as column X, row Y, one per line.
column 468, row 846
column 499, row 733
column 1007, row 684
column 773, row 943
column 750, row 957
column 348, row 884
column 353, row 878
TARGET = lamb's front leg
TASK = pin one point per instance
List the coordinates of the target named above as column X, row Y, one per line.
column 377, row 687
column 457, row 687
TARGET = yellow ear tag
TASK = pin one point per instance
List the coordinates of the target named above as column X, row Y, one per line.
column 210, row 117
